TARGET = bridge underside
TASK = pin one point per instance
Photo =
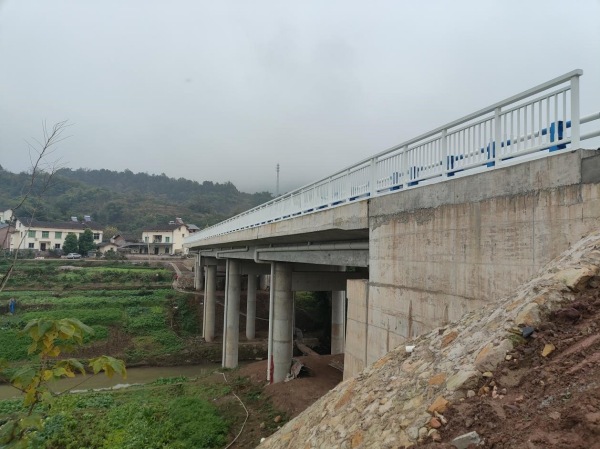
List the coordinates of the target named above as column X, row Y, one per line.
column 309, row 253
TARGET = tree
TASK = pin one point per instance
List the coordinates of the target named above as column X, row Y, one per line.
column 50, row 338
column 71, row 244
column 39, row 181
column 110, row 231
column 86, row 242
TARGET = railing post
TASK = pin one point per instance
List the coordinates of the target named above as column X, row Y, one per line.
column 347, row 186
column 497, row 144
column 404, row 166
column 575, row 125
column 373, row 177
column 445, row 152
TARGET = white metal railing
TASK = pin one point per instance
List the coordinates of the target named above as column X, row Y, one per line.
column 542, row 119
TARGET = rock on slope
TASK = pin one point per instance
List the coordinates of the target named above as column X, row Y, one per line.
column 426, row 398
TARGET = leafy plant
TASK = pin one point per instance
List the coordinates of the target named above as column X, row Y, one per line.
column 49, row 339
column 71, row 244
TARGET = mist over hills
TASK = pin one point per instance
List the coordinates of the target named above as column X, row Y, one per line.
column 126, row 200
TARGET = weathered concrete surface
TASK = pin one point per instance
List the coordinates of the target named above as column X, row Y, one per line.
column 347, row 222
column 440, row 251
column 390, row 404
column 355, row 354
column 231, row 325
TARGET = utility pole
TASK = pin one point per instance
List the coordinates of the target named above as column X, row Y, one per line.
column 277, row 188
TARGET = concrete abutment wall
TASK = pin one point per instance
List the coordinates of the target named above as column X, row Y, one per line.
column 440, row 251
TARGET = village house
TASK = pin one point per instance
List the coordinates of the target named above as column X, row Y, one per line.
column 4, row 235
column 5, row 215
column 166, row 239
column 46, row 236
column 105, row 247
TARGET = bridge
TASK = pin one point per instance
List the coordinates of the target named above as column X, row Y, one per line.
column 416, row 236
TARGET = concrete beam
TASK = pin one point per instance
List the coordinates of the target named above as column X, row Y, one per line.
column 354, row 253
column 354, row 258
column 347, row 222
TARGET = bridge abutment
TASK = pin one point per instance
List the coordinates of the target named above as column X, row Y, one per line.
column 443, row 250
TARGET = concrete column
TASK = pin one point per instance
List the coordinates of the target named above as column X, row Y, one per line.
column 231, row 325
column 210, row 301
column 198, row 273
column 282, row 322
column 251, row 308
column 338, row 321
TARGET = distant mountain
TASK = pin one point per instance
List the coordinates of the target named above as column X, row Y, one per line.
column 129, row 201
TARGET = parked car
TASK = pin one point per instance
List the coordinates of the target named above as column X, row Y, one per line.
column 73, row 256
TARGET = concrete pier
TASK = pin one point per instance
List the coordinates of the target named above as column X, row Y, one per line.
column 210, row 300
column 338, row 321
column 282, row 322
column 231, row 325
column 251, row 308
column 198, row 278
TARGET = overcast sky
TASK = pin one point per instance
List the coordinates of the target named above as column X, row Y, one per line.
column 225, row 90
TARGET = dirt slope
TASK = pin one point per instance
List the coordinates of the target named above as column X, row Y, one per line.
column 541, row 402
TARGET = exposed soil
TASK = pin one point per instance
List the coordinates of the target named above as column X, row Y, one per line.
column 534, row 401
column 293, row 397
column 271, row 406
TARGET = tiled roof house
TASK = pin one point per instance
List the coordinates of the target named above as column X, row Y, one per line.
column 46, row 235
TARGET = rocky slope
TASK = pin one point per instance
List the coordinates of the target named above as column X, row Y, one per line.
column 522, row 372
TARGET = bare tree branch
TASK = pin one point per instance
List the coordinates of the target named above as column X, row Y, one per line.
column 40, row 178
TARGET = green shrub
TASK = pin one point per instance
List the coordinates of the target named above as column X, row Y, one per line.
column 12, row 345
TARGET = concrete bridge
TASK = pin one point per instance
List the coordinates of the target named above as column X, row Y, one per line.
column 416, row 236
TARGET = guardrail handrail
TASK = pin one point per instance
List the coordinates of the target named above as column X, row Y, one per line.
column 486, row 139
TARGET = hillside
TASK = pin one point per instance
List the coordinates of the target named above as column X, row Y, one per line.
column 129, row 201
column 520, row 373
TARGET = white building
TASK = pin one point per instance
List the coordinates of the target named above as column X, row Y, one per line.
column 45, row 236
column 5, row 215
column 167, row 239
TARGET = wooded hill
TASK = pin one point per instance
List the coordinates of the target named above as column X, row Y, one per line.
column 126, row 200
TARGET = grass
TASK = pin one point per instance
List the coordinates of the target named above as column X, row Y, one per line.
column 170, row 413
column 141, row 314
column 162, row 415
column 49, row 274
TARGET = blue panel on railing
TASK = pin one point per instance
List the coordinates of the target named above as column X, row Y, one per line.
column 558, row 131
column 490, row 154
column 450, row 164
column 396, row 179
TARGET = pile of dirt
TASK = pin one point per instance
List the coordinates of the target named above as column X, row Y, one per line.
column 546, row 394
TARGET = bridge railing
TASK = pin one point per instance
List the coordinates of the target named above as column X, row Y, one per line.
column 540, row 120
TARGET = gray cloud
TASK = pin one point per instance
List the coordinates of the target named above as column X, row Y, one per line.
column 223, row 91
